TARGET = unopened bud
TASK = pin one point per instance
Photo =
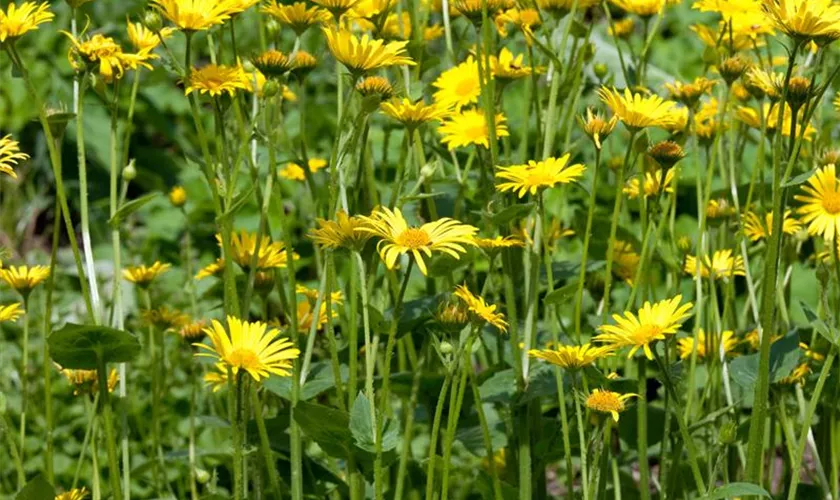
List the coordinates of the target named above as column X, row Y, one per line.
column 201, row 475
column 446, row 347
column 129, row 173
column 601, row 70
column 152, row 20
column 271, row 88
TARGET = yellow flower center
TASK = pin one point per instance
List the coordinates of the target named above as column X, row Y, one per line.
column 646, row 333
column 413, row 238
column 465, row 87
column 831, row 202
column 604, row 401
column 244, row 358
column 538, row 179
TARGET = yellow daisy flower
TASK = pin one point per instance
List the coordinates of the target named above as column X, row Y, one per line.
column 103, row 52
column 165, row 318
column 74, row 494
column 217, row 79
column 472, row 9
column 17, row 20
column 799, row 375
column 480, row 309
column 397, row 237
column 196, row 15
column 597, row 127
column 536, row 176
column 806, row 20
column 297, row 16
column 375, row 86
column 10, row 155
column 642, row 8
column 272, row 63
column 653, row 323
column 470, row 128
column 572, row 357
column 412, row 114
column 458, row 86
column 722, row 263
column 24, row 278
column 754, row 340
column 563, row 7
column 821, row 203
column 336, row 7
column 341, row 233
column 271, row 254
column 10, row 312
column 625, row 261
column 87, row 381
column 365, row 54
column 294, row 172
column 685, row 345
column 637, row 111
column 143, row 275
column 757, row 228
column 525, row 20
column 194, row 330
column 506, row 67
column 654, row 184
column 249, row 347
column 145, row 40
column 622, row 28
column 213, row 269
column 499, row 242
column 690, row 93
column 604, row 401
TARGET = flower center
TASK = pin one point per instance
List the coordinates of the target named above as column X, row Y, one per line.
column 413, row 238
column 466, row 87
column 538, row 179
column 244, row 358
column 604, row 402
column 831, row 202
column 646, row 333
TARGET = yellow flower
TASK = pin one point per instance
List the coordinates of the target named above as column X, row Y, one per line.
column 562, row 7
column 412, row 114
column 10, row 312
column 216, row 79
column 811, row 354
column 761, row 83
column 143, row 275
column 197, row 15
column 572, row 357
column 685, row 345
column 164, row 318
column 469, row 127
column 193, row 330
column 821, row 203
column 753, row 339
column 18, row 20
column 178, row 196
column 272, row 63
column 597, row 127
column 313, row 294
column 525, row 21
column 458, row 86
column 336, row 7
column 654, row 184
column 637, row 111
column 499, row 242
column 294, row 172
column 305, row 310
column 536, row 176
column 472, row 9
column 506, row 68
column 722, row 264
column 480, row 309
column 375, row 86
column 10, row 155
column 622, row 28
column 719, row 209
column 397, row 237
column 249, row 347
column 608, row 402
column 756, row 228
column 643, row 8
column 625, row 261
column 653, row 323
column 341, row 233
column 87, row 381
column 365, row 54
column 212, row 269
column 806, row 20
column 24, row 278
column 798, row 375
column 104, row 52
column 396, row 27
column 689, row 93
column 297, row 16
column 145, row 40
column 715, row 38
column 433, row 32
column 244, row 246
column 74, row 494
column 751, row 117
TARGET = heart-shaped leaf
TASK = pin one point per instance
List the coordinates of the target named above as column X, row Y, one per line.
column 82, row 347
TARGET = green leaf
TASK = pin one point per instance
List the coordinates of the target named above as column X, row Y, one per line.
column 561, row 294
column 784, row 355
column 732, row 490
column 238, row 203
column 81, row 347
column 326, row 426
column 500, row 388
column 37, row 489
column 363, row 433
column 818, row 324
column 509, row 214
column 799, row 179
column 129, row 208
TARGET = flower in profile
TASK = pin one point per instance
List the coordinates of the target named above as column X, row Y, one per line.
column 604, row 401
column 472, row 9
column 458, row 86
column 250, row 347
column 272, row 63
column 144, row 275
column 10, row 155
column 270, row 255
column 336, row 7
column 217, row 79
column 197, row 15
column 412, row 114
column 715, row 38
column 506, row 67
column 754, row 339
column 340, row 233
column 597, row 127
column 572, row 357
column 470, row 128
column 104, row 53
column 757, row 228
column 499, row 243
column 193, row 330
column 305, row 310
column 806, row 20
column 821, row 203
column 178, row 196
column 719, row 208
column 398, row 238
column 642, row 8
column 302, row 64
column 729, row 342
column 74, row 494
column 654, row 184
column 361, row 55
column 213, row 269
column 625, row 261
column 524, row 19
column 294, row 172
column 690, row 93
column 637, row 111
column 297, row 16
column 17, row 20
column 536, row 176
column 654, row 322
column 722, row 264
column 87, row 381
column 433, row 32
column 10, row 312
column 623, row 28
column 377, row 87
column 480, row 309
column 798, row 376
column 666, row 154
column 145, row 40
column 761, row 83
column 164, row 318
column 770, row 113
column 24, row 278
column 560, row 8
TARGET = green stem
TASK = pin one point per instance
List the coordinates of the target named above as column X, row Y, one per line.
column 5, row 429
column 587, row 237
column 485, row 435
column 265, row 445
column 642, row 431
column 111, row 443
column 24, row 380
column 583, row 446
column 235, row 397
column 454, row 414
column 405, row 451
column 433, row 437
column 47, row 362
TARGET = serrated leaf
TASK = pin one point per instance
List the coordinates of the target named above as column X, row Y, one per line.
column 81, row 347
column 129, row 208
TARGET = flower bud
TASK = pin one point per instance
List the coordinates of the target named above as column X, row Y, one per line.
column 201, row 475
column 271, row 88
column 728, row 433
column 601, row 70
column 152, row 20
column 129, row 173
column 446, row 347
column 178, row 196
